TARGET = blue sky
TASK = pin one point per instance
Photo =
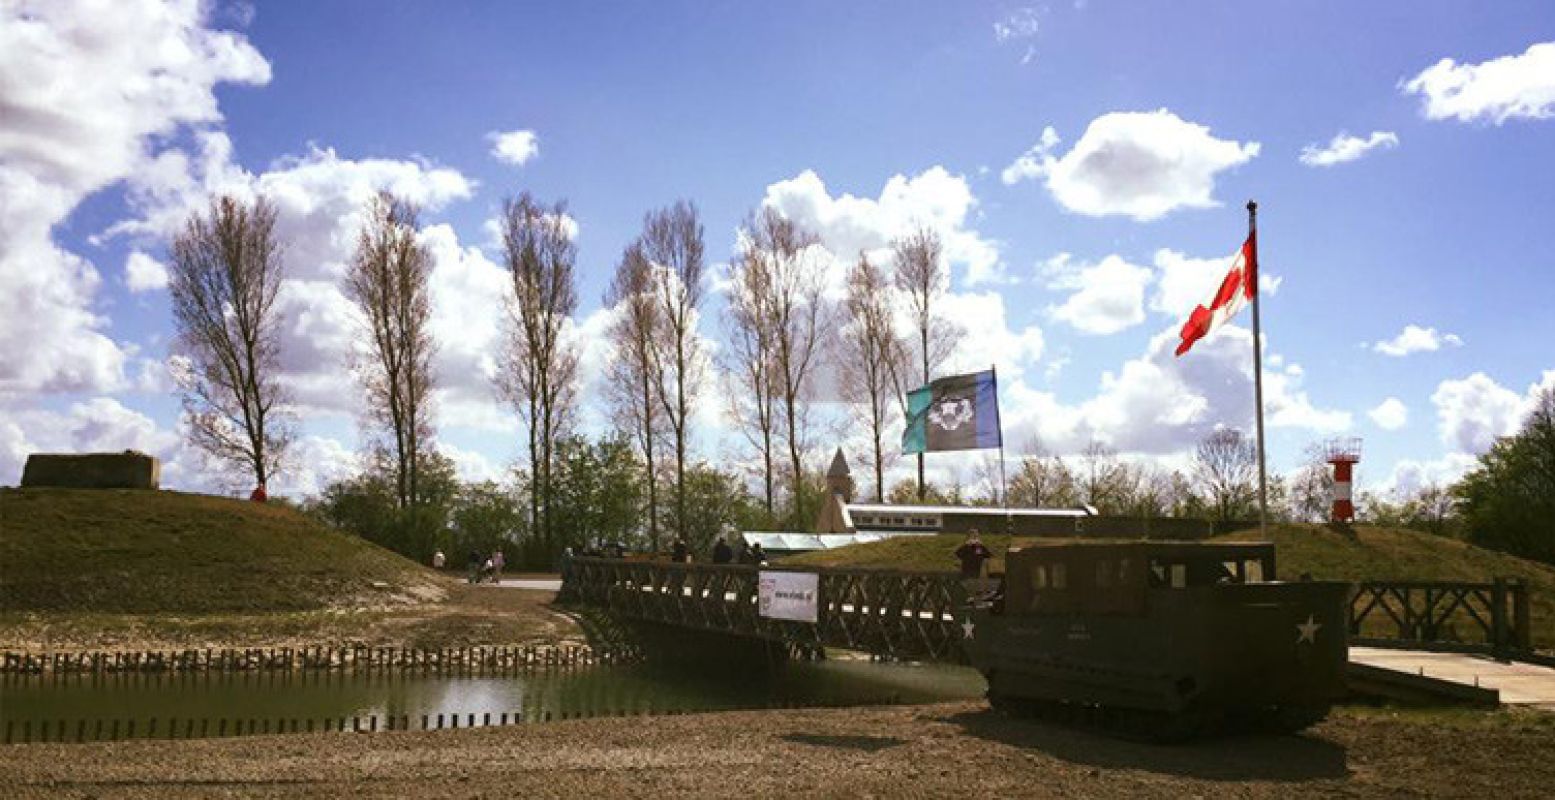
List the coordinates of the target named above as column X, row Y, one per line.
column 1070, row 267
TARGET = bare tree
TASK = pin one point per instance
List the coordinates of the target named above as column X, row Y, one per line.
column 1101, row 477
column 797, row 318
column 1312, row 486
column 387, row 279
column 633, row 379
column 748, row 361
column 1226, row 467
column 869, row 355
column 922, row 276
column 672, row 243
column 225, row 273
column 541, row 366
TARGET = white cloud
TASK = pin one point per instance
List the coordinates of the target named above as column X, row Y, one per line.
column 1509, row 87
column 514, row 147
column 1018, row 24
column 1472, row 412
column 1142, row 165
column 1410, row 475
column 1390, row 415
column 142, row 273
column 1344, row 147
column 1107, row 297
column 1415, row 339
column 849, row 225
column 89, row 90
column 1160, row 405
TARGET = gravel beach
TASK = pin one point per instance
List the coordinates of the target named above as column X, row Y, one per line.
column 950, row 750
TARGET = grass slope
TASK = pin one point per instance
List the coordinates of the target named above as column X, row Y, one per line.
column 1365, row 553
column 138, row 552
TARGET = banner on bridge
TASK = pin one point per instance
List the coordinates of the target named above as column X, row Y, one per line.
column 788, row 595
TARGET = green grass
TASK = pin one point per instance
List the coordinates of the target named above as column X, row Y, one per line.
column 1364, row 553
column 139, row 552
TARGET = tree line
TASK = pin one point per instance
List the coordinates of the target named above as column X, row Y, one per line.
column 643, row 482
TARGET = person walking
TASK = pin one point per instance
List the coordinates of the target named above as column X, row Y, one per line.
column 722, row 552
column 679, row 553
column 438, row 559
column 498, row 561
column 758, row 556
column 475, row 566
column 972, row 554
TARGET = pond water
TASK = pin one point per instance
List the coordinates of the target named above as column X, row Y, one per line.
column 81, row 700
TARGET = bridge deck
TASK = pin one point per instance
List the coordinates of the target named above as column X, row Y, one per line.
column 1519, row 683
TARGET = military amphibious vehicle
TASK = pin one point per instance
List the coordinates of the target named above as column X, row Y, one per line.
column 1160, row 640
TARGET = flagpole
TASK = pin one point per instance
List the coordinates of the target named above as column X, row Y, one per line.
column 1263, row 483
column 1004, row 487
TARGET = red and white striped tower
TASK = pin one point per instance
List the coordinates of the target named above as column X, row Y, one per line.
column 1344, row 454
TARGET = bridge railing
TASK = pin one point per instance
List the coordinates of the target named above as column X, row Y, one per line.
column 1474, row 617
column 896, row 614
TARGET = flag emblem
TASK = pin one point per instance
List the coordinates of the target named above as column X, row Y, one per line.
column 952, row 414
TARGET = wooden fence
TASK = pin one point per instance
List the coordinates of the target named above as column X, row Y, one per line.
column 106, row 730
column 482, row 659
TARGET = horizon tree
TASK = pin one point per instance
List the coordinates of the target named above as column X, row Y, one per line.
column 387, row 280
column 1225, row 464
column 922, row 276
column 672, row 244
column 797, row 316
column 540, row 367
column 747, row 363
column 632, row 388
column 225, row 273
column 869, row 354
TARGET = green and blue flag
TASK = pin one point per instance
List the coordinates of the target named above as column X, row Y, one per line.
column 957, row 412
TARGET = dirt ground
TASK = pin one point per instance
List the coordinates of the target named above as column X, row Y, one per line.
column 953, row 750
column 471, row 615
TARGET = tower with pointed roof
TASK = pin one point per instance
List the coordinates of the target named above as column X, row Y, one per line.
column 833, row 517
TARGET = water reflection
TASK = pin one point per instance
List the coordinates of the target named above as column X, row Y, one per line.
column 641, row 689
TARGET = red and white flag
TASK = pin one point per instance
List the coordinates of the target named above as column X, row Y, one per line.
column 1239, row 286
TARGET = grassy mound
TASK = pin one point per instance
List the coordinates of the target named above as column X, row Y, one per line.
column 1364, row 553
column 140, row 551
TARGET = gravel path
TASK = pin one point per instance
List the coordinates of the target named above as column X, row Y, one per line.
column 953, row 750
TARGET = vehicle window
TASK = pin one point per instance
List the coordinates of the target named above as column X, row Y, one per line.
column 1103, row 574
column 1254, row 571
column 1039, row 577
column 1179, row 576
column 1059, row 578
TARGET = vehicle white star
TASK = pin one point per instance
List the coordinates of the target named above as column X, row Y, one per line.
column 1307, row 631
column 967, row 627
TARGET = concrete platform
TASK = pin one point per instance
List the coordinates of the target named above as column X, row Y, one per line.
column 1518, row 683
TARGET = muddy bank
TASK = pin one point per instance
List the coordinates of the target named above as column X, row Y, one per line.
column 466, row 617
column 960, row 750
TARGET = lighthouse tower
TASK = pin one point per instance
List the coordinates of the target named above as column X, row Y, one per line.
column 1344, row 454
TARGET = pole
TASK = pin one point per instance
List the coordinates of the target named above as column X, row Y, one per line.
column 1004, row 487
column 1263, row 483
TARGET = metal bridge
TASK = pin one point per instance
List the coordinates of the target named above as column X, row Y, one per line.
column 914, row 615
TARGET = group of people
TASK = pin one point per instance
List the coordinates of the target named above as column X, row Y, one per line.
column 722, row 552
column 481, row 567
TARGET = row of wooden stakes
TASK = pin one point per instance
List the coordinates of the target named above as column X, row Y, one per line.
column 493, row 659
column 100, row 730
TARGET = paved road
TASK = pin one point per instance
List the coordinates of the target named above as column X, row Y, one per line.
column 1519, row 684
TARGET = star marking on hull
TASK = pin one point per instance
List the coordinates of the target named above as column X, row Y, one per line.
column 1307, row 631
column 967, row 627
